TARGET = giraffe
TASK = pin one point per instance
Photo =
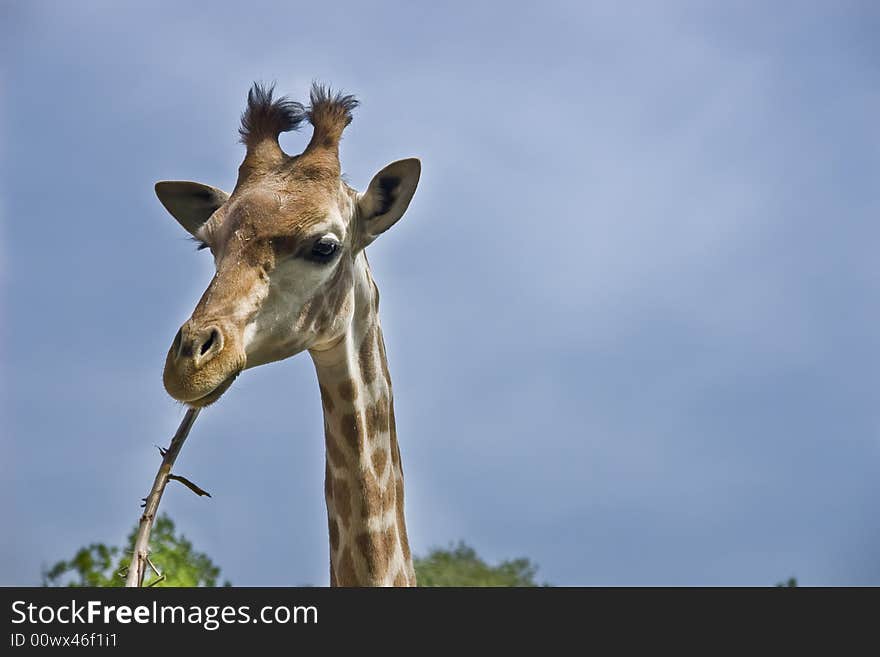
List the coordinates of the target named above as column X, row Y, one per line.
column 291, row 276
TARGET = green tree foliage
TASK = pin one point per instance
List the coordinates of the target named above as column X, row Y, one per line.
column 100, row 565
column 90, row 566
column 460, row 566
column 790, row 583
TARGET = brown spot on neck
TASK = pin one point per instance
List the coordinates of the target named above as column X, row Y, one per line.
column 334, row 452
column 346, row 575
column 348, row 391
column 379, row 458
column 353, row 430
column 377, row 549
column 404, row 540
column 371, row 496
column 392, row 426
column 326, row 399
column 383, row 358
column 334, row 535
column 367, row 356
column 328, row 481
column 342, row 500
column 383, row 412
column 376, row 418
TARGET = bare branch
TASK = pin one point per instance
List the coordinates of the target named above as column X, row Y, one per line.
column 139, row 558
column 186, row 482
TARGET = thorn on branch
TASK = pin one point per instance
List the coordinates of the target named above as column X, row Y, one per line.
column 162, row 450
column 153, row 567
column 186, row 482
column 160, row 577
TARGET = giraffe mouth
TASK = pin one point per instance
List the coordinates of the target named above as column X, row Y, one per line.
column 215, row 394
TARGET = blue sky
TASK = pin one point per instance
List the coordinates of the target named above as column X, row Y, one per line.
column 631, row 313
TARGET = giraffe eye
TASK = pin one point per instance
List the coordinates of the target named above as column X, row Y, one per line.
column 324, row 248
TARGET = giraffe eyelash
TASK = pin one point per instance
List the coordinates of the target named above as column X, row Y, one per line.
column 200, row 244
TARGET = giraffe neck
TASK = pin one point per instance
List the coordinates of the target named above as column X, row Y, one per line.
column 364, row 477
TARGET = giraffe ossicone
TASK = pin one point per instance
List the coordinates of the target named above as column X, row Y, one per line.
column 291, row 276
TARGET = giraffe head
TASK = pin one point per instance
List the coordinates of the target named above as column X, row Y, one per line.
column 284, row 245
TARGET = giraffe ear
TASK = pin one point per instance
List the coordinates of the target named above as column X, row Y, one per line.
column 387, row 197
column 191, row 203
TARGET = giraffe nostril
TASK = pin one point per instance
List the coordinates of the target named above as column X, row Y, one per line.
column 212, row 338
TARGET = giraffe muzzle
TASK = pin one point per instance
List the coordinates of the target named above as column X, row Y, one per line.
column 202, row 363
column 198, row 344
